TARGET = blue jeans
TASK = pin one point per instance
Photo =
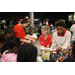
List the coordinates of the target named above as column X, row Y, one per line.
column 72, row 41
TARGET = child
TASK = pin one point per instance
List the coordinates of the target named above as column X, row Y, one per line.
column 11, row 54
column 32, row 36
column 27, row 53
column 2, row 39
column 8, row 34
column 69, row 49
column 61, row 38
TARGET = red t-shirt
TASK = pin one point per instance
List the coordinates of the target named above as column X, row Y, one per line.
column 19, row 32
column 46, row 42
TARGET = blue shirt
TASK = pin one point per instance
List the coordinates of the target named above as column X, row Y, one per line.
column 40, row 24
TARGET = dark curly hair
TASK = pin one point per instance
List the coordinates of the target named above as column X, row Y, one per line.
column 27, row 53
column 60, row 23
column 14, row 42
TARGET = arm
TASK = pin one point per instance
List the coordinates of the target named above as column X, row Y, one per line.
column 66, row 51
column 48, row 46
column 38, row 45
column 67, row 42
column 21, row 39
column 27, row 38
column 39, row 25
column 54, row 42
column 71, row 30
column 25, row 41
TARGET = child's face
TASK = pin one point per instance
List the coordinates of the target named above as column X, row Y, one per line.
column 60, row 30
column 31, row 31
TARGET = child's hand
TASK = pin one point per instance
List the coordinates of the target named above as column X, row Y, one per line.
column 58, row 49
column 66, row 51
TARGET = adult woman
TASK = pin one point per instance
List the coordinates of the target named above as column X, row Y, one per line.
column 19, row 30
column 45, row 39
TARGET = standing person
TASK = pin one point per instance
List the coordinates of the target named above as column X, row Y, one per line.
column 27, row 53
column 7, row 22
column 43, row 23
column 61, row 38
column 45, row 39
column 51, row 27
column 11, row 54
column 47, row 23
column 39, row 28
column 72, row 30
column 19, row 30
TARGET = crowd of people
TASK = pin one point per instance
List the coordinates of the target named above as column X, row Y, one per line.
column 16, row 46
column 40, row 24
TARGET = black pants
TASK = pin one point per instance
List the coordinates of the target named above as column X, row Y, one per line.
column 2, row 26
column 39, row 31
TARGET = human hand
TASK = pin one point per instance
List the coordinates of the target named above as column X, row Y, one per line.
column 58, row 49
column 66, row 51
column 28, row 41
column 48, row 46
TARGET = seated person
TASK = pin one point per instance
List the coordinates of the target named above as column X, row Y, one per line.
column 45, row 39
column 73, row 52
column 8, row 34
column 61, row 38
column 69, row 49
column 27, row 53
column 2, row 39
column 11, row 54
column 32, row 36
